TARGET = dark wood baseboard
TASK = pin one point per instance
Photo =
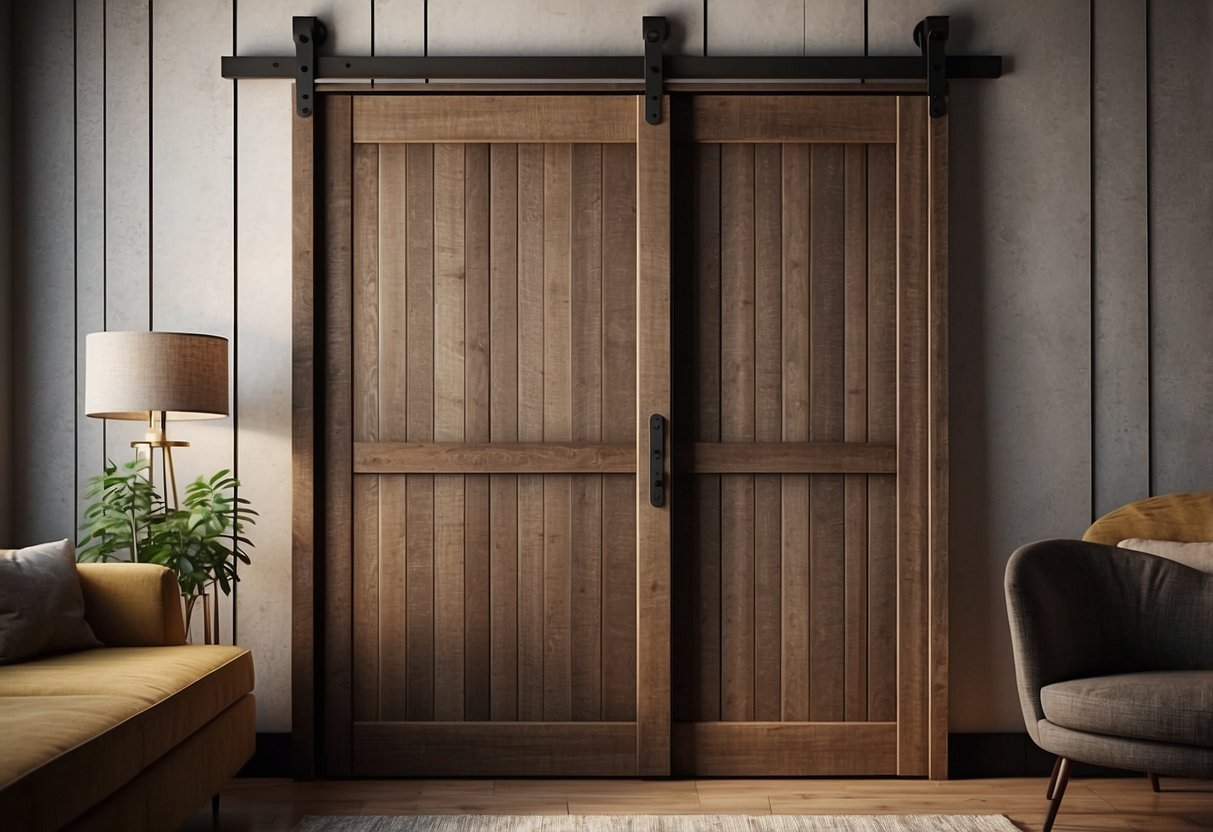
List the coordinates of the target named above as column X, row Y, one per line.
column 970, row 756
column 1012, row 754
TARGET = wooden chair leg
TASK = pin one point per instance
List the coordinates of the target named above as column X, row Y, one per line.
column 1059, row 791
column 1153, row 781
column 215, row 811
column 1053, row 779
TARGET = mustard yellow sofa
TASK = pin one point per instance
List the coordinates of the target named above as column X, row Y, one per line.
column 134, row 735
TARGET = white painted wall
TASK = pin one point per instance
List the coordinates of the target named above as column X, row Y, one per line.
column 147, row 188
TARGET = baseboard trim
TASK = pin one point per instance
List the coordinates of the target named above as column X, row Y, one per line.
column 970, row 756
column 1011, row 754
column 272, row 757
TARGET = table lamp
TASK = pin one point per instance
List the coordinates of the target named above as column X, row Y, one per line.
column 156, row 377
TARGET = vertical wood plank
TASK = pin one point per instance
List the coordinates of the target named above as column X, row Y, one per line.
column 618, row 425
column 912, row 449
column 303, row 396
column 477, row 683
column 855, row 429
column 504, row 416
column 557, row 427
column 827, row 614
column 706, row 426
column 449, row 396
column 652, row 396
column 937, row 443
column 587, row 531
column 795, row 503
column 737, row 425
column 531, row 210
column 365, row 349
column 882, row 427
column 768, row 426
column 338, row 435
column 419, row 582
column 393, row 427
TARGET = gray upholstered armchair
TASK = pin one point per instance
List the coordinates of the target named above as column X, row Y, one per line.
column 1114, row 657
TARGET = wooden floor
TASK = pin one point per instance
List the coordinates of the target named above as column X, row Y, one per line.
column 1096, row 804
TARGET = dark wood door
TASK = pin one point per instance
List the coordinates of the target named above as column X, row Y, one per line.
column 498, row 581
column 808, row 553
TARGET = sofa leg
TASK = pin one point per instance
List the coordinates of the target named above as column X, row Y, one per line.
column 215, row 811
column 1153, row 781
column 1053, row 779
column 1062, row 776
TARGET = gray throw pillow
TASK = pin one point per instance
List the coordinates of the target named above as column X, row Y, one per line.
column 41, row 605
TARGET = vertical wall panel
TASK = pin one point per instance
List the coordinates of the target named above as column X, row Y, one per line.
column 192, row 268
column 1020, row 316
column 90, row 231
column 128, row 88
column 7, row 531
column 43, row 340
column 786, row 27
column 536, row 27
column 1181, row 244
column 1120, row 289
column 262, row 364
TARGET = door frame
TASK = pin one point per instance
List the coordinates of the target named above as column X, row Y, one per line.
column 310, row 491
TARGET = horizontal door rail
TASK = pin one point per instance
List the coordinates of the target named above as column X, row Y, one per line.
column 786, row 458
column 620, row 458
column 745, row 749
column 494, row 458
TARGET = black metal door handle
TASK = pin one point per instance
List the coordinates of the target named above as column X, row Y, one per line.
column 657, row 460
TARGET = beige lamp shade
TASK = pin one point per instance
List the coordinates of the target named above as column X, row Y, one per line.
column 129, row 375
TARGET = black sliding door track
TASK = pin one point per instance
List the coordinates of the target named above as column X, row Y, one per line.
column 654, row 71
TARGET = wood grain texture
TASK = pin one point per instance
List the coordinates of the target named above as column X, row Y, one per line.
column 365, row 402
column 652, row 396
column 494, row 457
column 393, row 425
column 478, row 345
column 782, row 118
column 882, row 427
column 748, row 749
column 419, row 349
column 827, row 601
column 855, row 429
column 503, row 416
column 564, row 749
column 786, row 457
column 338, row 434
column 530, row 429
column 796, row 391
column 619, row 425
column 493, row 118
column 449, row 384
column 913, row 501
column 303, row 398
column 737, row 425
column 937, row 443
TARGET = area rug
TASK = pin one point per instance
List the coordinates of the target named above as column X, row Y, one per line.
column 658, row 823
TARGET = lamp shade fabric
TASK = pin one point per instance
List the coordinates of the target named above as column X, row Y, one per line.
column 131, row 374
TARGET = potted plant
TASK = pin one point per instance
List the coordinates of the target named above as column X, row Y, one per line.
column 202, row 541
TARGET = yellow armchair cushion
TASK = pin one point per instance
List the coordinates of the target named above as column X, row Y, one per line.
column 1186, row 517
column 132, row 604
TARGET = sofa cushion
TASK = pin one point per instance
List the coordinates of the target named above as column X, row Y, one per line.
column 1165, row 706
column 1198, row 555
column 176, row 690
column 41, row 606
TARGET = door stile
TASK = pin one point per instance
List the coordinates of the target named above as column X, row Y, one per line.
column 912, row 436
column 652, row 397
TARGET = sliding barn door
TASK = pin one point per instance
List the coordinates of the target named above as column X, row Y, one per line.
column 497, row 313
column 809, row 397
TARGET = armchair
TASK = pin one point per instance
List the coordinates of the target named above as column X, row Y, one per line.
column 1114, row 659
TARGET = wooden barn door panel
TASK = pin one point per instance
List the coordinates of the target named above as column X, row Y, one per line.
column 801, row 559
column 485, row 305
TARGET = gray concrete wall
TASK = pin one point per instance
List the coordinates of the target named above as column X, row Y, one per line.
column 149, row 190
